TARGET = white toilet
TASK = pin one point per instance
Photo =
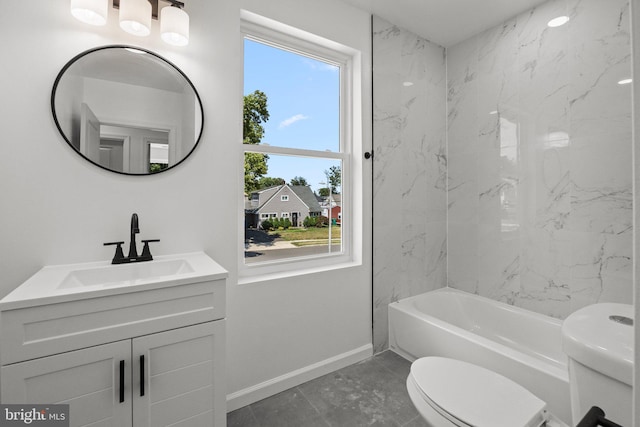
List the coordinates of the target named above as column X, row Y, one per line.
column 599, row 342
column 453, row 393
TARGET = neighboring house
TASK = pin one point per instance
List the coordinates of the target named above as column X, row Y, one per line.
column 336, row 207
column 336, row 215
column 295, row 202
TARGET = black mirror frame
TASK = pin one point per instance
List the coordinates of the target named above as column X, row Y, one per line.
column 87, row 52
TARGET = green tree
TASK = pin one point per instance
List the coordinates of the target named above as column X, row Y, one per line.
column 255, row 113
column 298, row 180
column 267, row 181
column 255, row 166
column 335, row 179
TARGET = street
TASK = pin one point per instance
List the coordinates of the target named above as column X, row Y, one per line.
column 256, row 253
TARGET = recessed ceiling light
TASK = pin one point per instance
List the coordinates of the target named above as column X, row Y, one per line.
column 493, row 112
column 407, row 84
column 625, row 81
column 556, row 22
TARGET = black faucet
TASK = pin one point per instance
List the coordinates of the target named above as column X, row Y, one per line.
column 119, row 257
column 133, row 251
column 594, row 418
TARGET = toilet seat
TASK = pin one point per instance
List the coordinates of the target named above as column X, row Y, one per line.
column 471, row 396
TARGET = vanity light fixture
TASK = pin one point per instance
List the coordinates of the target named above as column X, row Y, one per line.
column 557, row 22
column 135, row 17
column 174, row 24
column 92, row 12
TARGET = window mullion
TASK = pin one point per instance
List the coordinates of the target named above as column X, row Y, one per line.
column 286, row 151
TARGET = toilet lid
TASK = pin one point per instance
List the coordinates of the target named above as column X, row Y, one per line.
column 475, row 396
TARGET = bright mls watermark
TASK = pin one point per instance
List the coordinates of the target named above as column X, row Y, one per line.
column 34, row 415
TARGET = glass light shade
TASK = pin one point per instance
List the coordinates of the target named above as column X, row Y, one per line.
column 135, row 17
column 174, row 26
column 92, row 12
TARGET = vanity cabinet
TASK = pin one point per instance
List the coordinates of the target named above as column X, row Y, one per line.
column 87, row 379
column 167, row 378
column 146, row 352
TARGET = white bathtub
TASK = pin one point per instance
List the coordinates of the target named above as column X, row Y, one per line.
column 517, row 343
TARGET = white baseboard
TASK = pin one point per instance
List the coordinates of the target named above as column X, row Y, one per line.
column 273, row 386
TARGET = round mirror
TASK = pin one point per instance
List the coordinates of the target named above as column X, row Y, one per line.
column 127, row 110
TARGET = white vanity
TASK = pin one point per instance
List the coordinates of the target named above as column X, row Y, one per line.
column 124, row 345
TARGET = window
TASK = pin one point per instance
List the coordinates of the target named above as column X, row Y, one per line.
column 158, row 156
column 296, row 147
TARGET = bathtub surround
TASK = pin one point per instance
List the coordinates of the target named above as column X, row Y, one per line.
column 635, row 37
column 539, row 159
column 531, row 176
column 409, row 169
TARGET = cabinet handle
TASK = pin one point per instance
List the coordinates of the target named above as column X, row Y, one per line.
column 121, row 381
column 142, row 375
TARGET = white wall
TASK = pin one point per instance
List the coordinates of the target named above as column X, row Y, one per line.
column 125, row 104
column 63, row 214
column 301, row 320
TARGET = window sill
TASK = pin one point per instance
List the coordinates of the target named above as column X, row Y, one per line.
column 263, row 273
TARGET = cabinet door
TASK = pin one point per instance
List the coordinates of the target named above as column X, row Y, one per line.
column 180, row 382
column 88, row 380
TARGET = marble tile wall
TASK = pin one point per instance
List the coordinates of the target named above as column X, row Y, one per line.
column 409, row 98
column 539, row 159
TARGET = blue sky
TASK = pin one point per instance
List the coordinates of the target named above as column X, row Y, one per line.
column 303, row 97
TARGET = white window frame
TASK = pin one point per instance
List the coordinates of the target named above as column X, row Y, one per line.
column 284, row 198
column 264, row 30
column 284, row 214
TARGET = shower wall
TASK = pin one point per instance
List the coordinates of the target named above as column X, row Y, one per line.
column 409, row 97
column 539, row 159
column 502, row 165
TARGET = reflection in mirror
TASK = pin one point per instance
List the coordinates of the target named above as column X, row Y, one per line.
column 127, row 110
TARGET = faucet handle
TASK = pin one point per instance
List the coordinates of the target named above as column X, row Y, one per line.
column 146, row 253
column 119, row 255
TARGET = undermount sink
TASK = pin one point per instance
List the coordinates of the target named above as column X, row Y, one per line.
column 62, row 283
column 126, row 274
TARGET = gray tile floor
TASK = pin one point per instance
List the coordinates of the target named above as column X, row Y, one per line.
column 370, row 393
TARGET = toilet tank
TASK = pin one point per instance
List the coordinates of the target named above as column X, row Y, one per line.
column 598, row 340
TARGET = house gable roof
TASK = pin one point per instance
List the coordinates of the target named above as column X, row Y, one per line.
column 306, row 195
column 303, row 193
